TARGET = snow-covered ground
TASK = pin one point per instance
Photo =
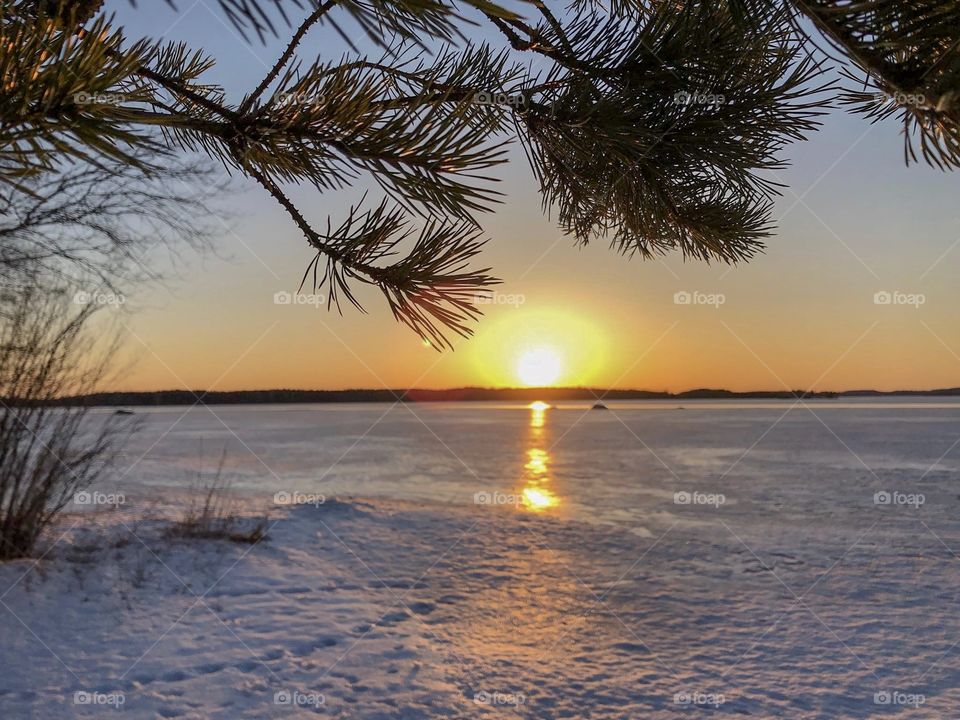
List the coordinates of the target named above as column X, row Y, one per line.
column 784, row 588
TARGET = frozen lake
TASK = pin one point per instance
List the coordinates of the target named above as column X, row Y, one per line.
column 758, row 559
column 818, row 462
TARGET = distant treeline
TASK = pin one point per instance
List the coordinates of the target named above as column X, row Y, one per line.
column 468, row 394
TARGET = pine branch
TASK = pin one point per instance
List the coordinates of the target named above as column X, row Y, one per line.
column 429, row 290
column 380, row 20
column 910, row 54
column 659, row 124
column 650, row 123
column 285, row 58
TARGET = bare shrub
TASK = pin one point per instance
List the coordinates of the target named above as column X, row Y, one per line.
column 48, row 452
column 212, row 514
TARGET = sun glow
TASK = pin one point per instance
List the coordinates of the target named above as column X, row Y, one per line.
column 539, row 367
column 542, row 347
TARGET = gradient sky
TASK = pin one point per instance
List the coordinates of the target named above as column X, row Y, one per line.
column 853, row 221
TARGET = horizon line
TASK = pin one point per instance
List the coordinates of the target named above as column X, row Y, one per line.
column 525, row 389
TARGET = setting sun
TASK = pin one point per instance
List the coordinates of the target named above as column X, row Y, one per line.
column 539, row 367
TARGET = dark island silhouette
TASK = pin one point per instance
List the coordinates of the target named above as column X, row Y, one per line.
column 465, row 394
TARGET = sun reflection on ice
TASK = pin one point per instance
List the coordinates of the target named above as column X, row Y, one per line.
column 536, row 494
column 538, row 412
column 537, row 461
column 538, row 498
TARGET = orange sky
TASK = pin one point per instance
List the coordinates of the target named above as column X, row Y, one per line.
column 853, row 222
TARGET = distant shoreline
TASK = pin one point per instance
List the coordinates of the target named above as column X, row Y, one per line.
column 466, row 394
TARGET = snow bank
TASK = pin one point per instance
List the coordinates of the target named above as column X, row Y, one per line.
column 384, row 609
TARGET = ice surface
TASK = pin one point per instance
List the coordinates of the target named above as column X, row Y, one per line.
column 734, row 561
